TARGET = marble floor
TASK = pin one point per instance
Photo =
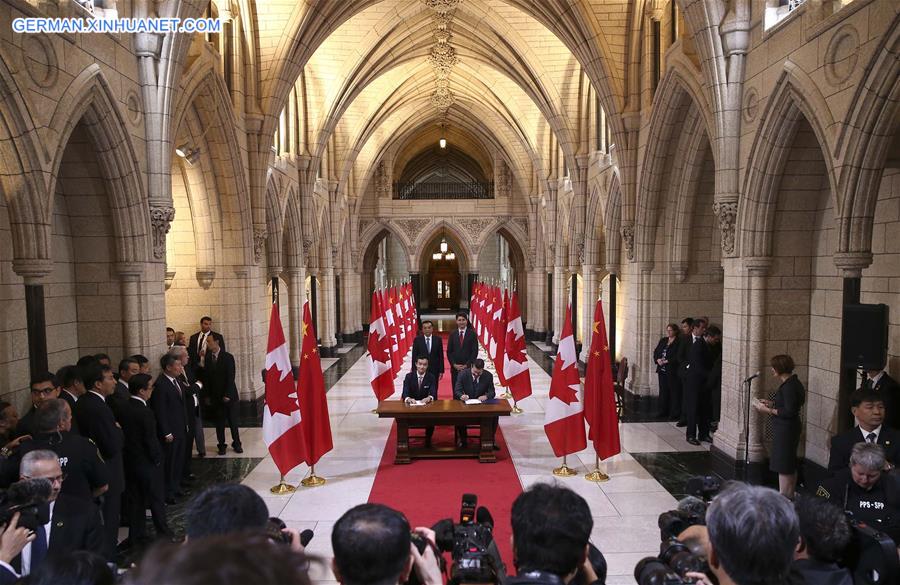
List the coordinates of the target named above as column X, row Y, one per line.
column 625, row 509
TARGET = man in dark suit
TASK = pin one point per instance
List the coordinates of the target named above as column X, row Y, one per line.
column 71, row 389
column 221, row 390
column 143, row 463
column 867, row 407
column 430, row 346
column 473, row 383
column 697, row 399
column 44, row 387
column 197, row 344
column 881, row 382
column 167, row 403
column 421, row 385
column 87, row 475
column 191, row 388
column 73, row 524
column 97, row 423
column 127, row 368
column 681, row 359
column 462, row 347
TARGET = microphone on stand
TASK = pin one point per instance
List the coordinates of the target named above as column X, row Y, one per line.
column 748, row 380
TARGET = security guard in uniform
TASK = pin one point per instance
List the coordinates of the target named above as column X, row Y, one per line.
column 86, row 475
column 865, row 491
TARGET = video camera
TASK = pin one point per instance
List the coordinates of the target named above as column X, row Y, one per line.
column 275, row 532
column 872, row 556
column 676, row 558
column 29, row 498
column 467, row 542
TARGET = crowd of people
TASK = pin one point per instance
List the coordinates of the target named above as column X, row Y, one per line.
column 114, row 444
column 688, row 361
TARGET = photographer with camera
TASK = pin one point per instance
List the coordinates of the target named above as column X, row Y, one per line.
column 373, row 545
column 864, row 491
column 753, row 532
column 824, row 537
column 551, row 528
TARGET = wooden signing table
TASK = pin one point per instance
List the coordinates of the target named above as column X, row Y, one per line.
column 448, row 413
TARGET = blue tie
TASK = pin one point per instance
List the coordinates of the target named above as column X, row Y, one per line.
column 38, row 548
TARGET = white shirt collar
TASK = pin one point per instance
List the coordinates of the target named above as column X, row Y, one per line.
column 877, row 378
column 97, row 394
column 139, row 398
column 876, row 430
column 75, row 398
column 171, row 379
column 26, row 552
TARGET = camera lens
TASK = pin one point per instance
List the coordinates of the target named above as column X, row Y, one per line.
column 652, row 571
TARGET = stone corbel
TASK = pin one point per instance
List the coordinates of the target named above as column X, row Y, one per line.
column 628, row 240
column 161, row 217
column 726, row 211
column 204, row 278
column 170, row 278
column 851, row 264
column 680, row 270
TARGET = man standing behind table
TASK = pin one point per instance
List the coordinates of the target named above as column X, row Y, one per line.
column 221, row 391
column 430, row 346
column 473, row 383
column 421, row 385
column 462, row 348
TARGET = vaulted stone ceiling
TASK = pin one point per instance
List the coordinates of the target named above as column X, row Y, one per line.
column 362, row 75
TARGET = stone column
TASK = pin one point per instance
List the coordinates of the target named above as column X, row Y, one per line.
column 33, row 273
column 559, row 301
column 328, row 311
column 744, row 353
column 296, row 282
column 129, row 275
column 339, row 313
column 355, row 301
column 536, row 308
column 641, row 368
column 591, row 282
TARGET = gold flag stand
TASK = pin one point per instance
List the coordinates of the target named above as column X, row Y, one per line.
column 312, row 480
column 564, row 470
column 283, row 488
column 596, row 475
column 516, row 409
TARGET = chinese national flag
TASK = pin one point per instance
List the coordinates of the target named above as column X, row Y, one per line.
column 282, row 426
column 564, row 413
column 311, row 392
column 599, row 396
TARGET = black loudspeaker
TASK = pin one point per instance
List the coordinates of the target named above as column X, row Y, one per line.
column 865, row 336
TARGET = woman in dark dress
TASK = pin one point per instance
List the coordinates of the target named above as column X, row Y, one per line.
column 666, row 367
column 785, row 412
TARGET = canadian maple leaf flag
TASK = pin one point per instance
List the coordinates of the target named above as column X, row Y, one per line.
column 380, row 373
column 564, row 413
column 515, row 366
column 282, row 423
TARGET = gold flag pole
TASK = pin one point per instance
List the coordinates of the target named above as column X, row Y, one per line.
column 596, row 475
column 564, row 470
column 283, row 488
column 312, row 480
column 515, row 408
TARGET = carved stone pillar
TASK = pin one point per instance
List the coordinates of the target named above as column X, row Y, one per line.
column 132, row 322
column 296, row 281
column 329, row 315
column 559, row 301
column 641, row 368
column 591, row 283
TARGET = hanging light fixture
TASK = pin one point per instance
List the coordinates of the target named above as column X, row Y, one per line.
column 443, row 142
column 436, row 256
column 443, row 245
column 451, row 257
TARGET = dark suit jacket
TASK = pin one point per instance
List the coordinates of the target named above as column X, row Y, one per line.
column 218, row 378
column 699, row 363
column 71, row 400
column 26, row 424
column 411, row 386
column 75, row 525
column 842, row 445
column 681, row 354
column 465, row 384
column 194, row 355
column 142, row 446
column 435, row 358
column 464, row 353
column 888, row 388
column 97, row 423
column 119, row 397
column 168, row 406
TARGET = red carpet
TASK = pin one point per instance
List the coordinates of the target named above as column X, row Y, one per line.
column 429, row 490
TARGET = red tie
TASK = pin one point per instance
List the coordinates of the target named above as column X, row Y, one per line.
column 460, row 336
